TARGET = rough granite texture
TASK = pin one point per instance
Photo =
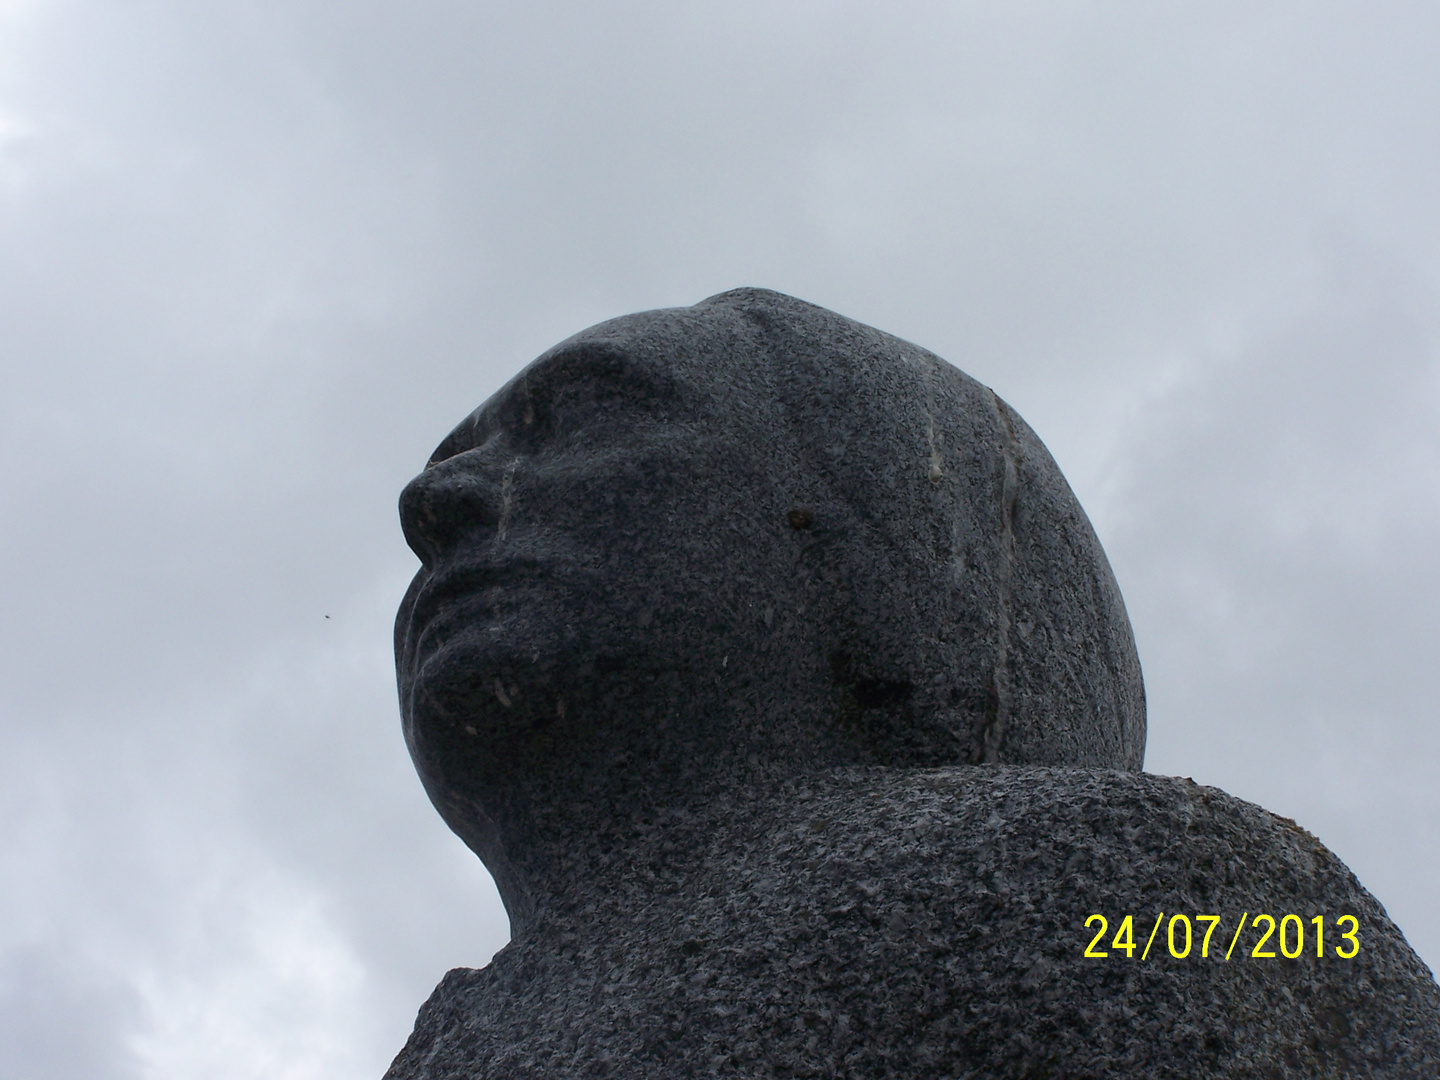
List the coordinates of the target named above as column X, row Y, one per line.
column 875, row 923
column 778, row 678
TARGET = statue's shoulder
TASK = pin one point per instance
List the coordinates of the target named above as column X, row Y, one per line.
column 1001, row 921
column 1098, row 815
column 930, row 910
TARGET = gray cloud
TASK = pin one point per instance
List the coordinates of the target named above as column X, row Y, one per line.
column 55, row 1022
column 257, row 258
column 1282, row 532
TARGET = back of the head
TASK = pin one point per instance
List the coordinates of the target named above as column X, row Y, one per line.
column 970, row 613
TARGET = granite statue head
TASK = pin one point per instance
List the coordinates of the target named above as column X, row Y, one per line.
column 747, row 538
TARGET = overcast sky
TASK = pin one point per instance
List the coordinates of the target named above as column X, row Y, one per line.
column 257, row 258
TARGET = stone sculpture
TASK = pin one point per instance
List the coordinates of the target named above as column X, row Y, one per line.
column 775, row 673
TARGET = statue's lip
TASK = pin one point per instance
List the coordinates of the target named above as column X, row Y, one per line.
column 453, row 597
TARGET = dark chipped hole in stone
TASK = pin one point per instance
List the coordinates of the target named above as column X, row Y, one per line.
column 869, row 692
column 876, row 693
column 692, row 947
column 609, row 664
column 802, row 517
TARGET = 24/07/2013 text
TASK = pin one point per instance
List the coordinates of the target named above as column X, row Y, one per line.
column 1180, row 936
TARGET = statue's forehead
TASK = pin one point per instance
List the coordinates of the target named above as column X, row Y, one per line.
column 666, row 357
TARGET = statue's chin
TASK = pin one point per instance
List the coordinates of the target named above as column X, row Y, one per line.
column 486, row 708
column 483, row 676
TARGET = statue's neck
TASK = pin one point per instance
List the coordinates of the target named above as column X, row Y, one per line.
column 577, row 866
column 619, row 813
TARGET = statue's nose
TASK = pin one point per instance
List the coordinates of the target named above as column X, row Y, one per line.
column 446, row 505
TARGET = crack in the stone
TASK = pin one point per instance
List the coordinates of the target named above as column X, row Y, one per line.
column 997, row 709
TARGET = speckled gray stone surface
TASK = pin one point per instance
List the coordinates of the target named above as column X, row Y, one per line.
column 746, row 644
column 930, row 923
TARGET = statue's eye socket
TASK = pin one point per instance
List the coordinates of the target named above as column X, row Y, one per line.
column 473, row 431
column 530, row 419
column 581, row 389
column 447, row 450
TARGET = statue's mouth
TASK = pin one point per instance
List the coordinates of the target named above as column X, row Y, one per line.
column 491, row 607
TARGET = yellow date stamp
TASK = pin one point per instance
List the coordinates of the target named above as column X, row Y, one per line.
column 1183, row 935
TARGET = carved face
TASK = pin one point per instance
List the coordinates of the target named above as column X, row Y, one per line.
column 752, row 527
column 604, row 539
